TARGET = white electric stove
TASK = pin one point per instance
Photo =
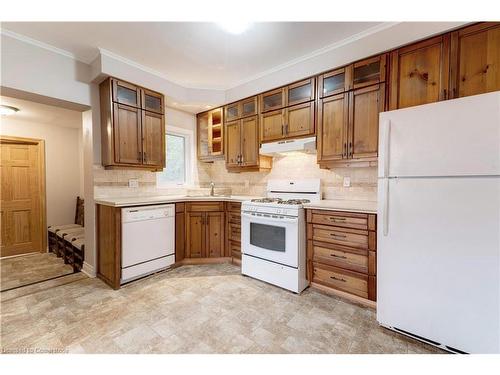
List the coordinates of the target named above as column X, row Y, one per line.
column 273, row 233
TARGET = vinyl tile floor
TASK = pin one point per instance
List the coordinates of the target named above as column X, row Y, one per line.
column 192, row 309
column 31, row 268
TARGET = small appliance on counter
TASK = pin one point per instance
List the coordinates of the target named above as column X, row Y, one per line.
column 273, row 233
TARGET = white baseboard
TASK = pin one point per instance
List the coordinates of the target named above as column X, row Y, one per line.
column 88, row 270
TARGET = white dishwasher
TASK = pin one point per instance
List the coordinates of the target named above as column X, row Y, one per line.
column 148, row 240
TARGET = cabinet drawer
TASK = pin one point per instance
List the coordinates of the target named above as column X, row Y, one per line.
column 233, row 217
column 340, row 256
column 205, row 206
column 348, row 281
column 234, row 232
column 341, row 236
column 233, row 206
column 339, row 219
column 235, row 249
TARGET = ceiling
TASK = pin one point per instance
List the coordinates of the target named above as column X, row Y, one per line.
column 42, row 114
column 194, row 54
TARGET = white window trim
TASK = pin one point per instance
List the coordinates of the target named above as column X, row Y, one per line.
column 190, row 159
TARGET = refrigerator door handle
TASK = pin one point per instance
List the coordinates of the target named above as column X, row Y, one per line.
column 385, row 207
column 386, row 150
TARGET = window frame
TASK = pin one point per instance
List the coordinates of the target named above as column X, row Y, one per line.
column 188, row 136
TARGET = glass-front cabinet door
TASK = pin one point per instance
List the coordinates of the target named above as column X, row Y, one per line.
column 272, row 100
column 249, row 107
column 203, row 141
column 232, row 111
column 152, row 101
column 300, row 92
column 126, row 93
column 369, row 72
column 335, row 82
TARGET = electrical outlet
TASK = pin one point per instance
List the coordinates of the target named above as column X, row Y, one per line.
column 347, row 181
column 133, row 183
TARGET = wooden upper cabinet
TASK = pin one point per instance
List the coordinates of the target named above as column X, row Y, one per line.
column 335, row 82
column 364, row 107
column 300, row 92
column 249, row 107
column 333, row 117
column 153, row 142
column 475, row 59
column 210, row 135
column 152, row 101
column 369, row 71
column 272, row 125
column 132, row 126
column 250, row 141
column 232, row 111
column 127, row 132
column 420, row 73
column 126, row 93
column 272, row 100
column 299, row 120
column 233, row 143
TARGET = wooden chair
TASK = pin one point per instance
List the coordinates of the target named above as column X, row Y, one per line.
column 54, row 229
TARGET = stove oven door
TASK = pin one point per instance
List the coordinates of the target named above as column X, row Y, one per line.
column 270, row 237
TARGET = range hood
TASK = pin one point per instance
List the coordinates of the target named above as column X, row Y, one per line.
column 301, row 144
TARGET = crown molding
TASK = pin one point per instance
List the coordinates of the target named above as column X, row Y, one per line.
column 363, row 34
column 40, row 44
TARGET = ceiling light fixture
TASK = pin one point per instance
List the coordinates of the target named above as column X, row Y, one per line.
column 234, row 27
column 6, row 110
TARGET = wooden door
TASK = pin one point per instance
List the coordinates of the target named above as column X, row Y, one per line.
column 233, row 143
column 475, row 62
column 299, row 120
column 214, row 232
column 272, row 125
column 249, row 107
column 202, row 139
column 419, row 73
column 250, row 141
column 153, row 139
column 126, row 93
column 127, row 134
column 232, row 111
column 369, row 71
column 195, row 235
column 22, row 197
column 333, row 116
column 364, row 107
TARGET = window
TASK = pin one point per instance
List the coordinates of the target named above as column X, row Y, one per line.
column 178, row 169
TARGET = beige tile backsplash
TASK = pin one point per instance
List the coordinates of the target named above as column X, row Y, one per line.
column 108, row 183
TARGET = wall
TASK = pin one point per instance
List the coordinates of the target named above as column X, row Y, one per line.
column 63, row 168
column 295, row 165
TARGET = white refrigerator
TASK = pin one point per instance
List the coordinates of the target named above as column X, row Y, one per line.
column 438, row 223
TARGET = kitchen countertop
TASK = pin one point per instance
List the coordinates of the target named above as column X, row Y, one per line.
column 160, row 199
column 344, row 205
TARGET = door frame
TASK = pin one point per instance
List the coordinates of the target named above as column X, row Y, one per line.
column 40, row 143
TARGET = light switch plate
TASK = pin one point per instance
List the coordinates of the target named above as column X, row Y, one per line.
column 133, row 183
column 347, row 181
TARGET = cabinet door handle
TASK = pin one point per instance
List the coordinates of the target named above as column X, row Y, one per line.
column 337, row 219
column 139, row 156
column 350, row 149
column 338, row 256
column 337, row 278
column 337, row 235
column 345, row 149
column 145, row 158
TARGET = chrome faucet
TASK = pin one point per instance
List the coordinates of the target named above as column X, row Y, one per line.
column 212, row 187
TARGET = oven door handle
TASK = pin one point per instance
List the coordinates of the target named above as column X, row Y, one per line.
column 286, row 219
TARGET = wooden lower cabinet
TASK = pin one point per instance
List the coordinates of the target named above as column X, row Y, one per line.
column 341, row 251
column 180, row 231
column 109, row 244
column 204, row 234
column 233, row 231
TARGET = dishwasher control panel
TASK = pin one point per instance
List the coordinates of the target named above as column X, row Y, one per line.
column 141, row 213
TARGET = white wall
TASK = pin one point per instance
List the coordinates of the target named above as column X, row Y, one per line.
column 63, row 169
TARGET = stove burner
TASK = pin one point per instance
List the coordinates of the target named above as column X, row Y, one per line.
column 267, row 200
column 294, row 201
